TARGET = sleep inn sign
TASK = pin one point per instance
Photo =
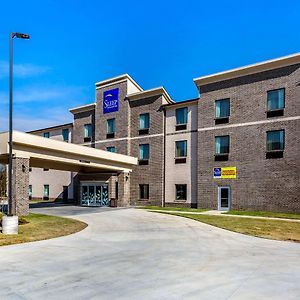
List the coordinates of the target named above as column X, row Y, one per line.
column 110, row 101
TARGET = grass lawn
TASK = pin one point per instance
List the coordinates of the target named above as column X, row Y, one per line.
column 264, row 214
column 172, row 208
column 41, row 227
column 270, row 229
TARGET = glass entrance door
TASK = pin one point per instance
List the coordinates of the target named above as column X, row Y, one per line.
column 94, row 194
column 224, row 198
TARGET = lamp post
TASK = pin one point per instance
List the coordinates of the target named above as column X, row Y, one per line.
column 11, row 37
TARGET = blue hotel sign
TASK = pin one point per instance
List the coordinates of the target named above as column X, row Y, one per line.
column 110, row 101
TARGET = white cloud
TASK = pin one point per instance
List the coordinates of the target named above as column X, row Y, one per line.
column 22, row 70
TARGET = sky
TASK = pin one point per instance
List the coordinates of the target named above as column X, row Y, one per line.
column 76, row 43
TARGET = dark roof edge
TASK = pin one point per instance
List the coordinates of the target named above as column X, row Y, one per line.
column 48, row 128
column 182, row 102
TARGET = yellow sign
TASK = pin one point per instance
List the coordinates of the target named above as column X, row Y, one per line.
column 226, row 172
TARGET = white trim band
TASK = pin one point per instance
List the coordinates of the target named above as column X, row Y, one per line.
column 249, row 124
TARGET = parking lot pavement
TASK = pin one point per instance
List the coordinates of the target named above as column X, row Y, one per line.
column 135, row 254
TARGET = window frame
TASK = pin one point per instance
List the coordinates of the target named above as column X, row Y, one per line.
column 224, row 119
column 46, row 134
column 275, row 90
column 63, row 131
column 142, row 191
column 110, row 147
column 90, row 132
column 185, row 150
column 181, row 199
column 181, row 126
column 275, row 150
column 144, row 114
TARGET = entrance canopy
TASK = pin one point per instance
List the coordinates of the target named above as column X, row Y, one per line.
column 53, row 154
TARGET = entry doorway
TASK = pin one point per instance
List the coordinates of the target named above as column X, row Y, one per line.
column 94, row 194
column 224, row 198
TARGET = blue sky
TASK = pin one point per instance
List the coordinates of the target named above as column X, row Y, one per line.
column 77, row 43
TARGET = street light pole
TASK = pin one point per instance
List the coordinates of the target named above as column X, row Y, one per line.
column 10, row 158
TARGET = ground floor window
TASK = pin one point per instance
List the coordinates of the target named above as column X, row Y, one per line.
column 181, row 191
column 46, row 191
column 144, row 191
column 30, row 191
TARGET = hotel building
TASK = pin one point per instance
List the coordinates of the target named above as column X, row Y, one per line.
column 237, row 146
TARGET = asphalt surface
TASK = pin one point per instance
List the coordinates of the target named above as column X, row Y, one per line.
column 135, row 254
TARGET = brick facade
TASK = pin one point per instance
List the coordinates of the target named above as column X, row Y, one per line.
column 261, row 184
column 20, row 182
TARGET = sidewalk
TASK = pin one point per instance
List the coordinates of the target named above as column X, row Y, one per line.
column 221, row 213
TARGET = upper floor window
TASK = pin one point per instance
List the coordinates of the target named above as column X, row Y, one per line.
column 275, row 143
column 111, row 149
column 144, row 123
column 181, row 118
column 222, row 111
column 275, row 102
column 110, row 128
column 180, row 152
column 221, row 147
column 144, row 154
column 87, row 132
column 46, row 135
column 65, row 134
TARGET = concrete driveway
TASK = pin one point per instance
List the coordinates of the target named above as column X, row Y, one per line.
column 135, row 254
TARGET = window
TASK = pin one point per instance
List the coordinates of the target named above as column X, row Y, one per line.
column 30, row 191
column 181, row 191
column 65, row 134
column 144, row 123
column 87, row 132
column 275, row 143
column 222, row 111
column 275, row 102
column 111, row 149
column 46, row 192
column 110, row 128
column 221, row 147
column 144, row 154
column 45, row 169
column 144, row 191
column 46, row 135
column 181, row 118
column 180, row 152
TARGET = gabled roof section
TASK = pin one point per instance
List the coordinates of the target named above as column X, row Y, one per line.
column 82, row 108
column 249, row 69
column 152, row 92
column 118, row 79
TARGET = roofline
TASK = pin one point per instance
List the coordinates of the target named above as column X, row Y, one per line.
column 52, row 127
column 82, row 108
column 117, row 79
column 184, row 102
column 249, row 69
column 152, row 92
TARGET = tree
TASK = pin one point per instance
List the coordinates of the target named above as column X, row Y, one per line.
column 2, row 181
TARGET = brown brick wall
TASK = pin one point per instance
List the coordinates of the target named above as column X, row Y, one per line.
column 20, row 182
column 121, row 116
column 80, row 119
column 151, row 174
column 261, row 184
